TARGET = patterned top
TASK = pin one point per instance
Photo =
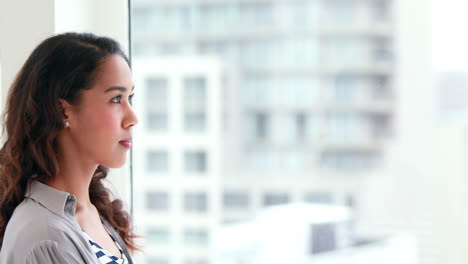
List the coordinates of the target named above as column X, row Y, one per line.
column 104, row 256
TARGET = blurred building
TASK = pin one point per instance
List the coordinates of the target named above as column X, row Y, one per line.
column 304, row 233
column 453, row 97
column 300, row 93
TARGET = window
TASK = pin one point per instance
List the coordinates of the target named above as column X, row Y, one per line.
column 171, row 18
column 196, row 202
column 297, row 14
column 258, row 54
column 157, row 93
column 380, row 87
column 275, row 199
column 256, row 15
column 345, row 127
column 343, row 51
column 298, row 53
column 195, row 122
column 295, row 160
column 158, row 235
column 196, row 237
column 158, row 201
column 195, row 161
column 350, row 159
column 258, row 126
column 340, row 12
column 319, row 197
column 196, row 261
column 157, row 121
column 217, row 48
column 235, row 199
column 157, row 260
column 380, row 10
column 298, row 92
column 171, row 49
column 195, row 92
column 262, row 160
column 323, row 238
column 158, row 161
column 212, row 17
column 345, row 89
column 258, row 92
column 381, row 50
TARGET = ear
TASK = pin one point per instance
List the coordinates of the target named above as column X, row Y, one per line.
column 66, row 108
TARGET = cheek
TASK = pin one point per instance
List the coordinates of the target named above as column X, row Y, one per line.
column 104, row 123
column 110, row 121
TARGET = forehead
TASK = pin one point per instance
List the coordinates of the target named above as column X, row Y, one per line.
column 114, row 71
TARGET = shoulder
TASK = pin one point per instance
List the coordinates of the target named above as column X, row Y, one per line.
column 31, row 219
column 45, row 251
column 35, row 232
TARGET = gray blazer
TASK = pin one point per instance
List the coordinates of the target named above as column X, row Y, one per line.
column 43, row 229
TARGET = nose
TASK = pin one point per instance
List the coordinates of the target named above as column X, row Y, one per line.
column 130, row 119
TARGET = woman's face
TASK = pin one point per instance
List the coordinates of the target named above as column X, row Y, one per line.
column 101, row 123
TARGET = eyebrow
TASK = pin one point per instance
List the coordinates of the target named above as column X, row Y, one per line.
column 118, row 88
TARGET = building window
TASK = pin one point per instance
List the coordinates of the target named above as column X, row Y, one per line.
column 157, row 260
column 298, row 92
column 380, row 10
column 196, row 261
column 196, row 237
column 158, row 235
column 158, row 161
column 295, row 160
column 236, row 199
column 350, row 159
column 195, row 122
column 262, row 160
column 298, row 53
column 380, row 87
column 381, row 126
column 340, row 12
column 297, row 14
column 258, row 125
column 301, row 125
column 346, row 127
column 258, row 92
column 157, row 121
column 216, row 48
column 195, row 161
column 258, row 54
column 158, row 201
column 157, row 93
column 196, row 202
column 212, row 17
column 270, row 199
column 195, row 92
column 319, row 197
column 381, row 50
column 343, row 51
column 256, row 15
column 345, row 89
column 323, row 238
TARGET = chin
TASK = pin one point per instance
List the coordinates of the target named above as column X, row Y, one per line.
column 115, row 164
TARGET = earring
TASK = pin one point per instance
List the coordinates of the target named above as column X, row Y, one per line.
column 66, row 123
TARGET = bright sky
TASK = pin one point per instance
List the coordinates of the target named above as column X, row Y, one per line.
column 450, row 34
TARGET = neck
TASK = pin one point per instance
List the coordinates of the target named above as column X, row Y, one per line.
column 74, row 177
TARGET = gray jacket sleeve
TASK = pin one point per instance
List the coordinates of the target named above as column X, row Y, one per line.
column 48, row 252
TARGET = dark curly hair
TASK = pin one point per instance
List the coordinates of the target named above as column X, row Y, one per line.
column 59, row 68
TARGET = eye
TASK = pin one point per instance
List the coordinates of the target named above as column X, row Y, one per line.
column 130, row 99
column 116, row 99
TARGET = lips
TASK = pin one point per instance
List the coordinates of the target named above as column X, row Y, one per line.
column 126, row 143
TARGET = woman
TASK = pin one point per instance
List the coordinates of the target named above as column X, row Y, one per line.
column 68, row 118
